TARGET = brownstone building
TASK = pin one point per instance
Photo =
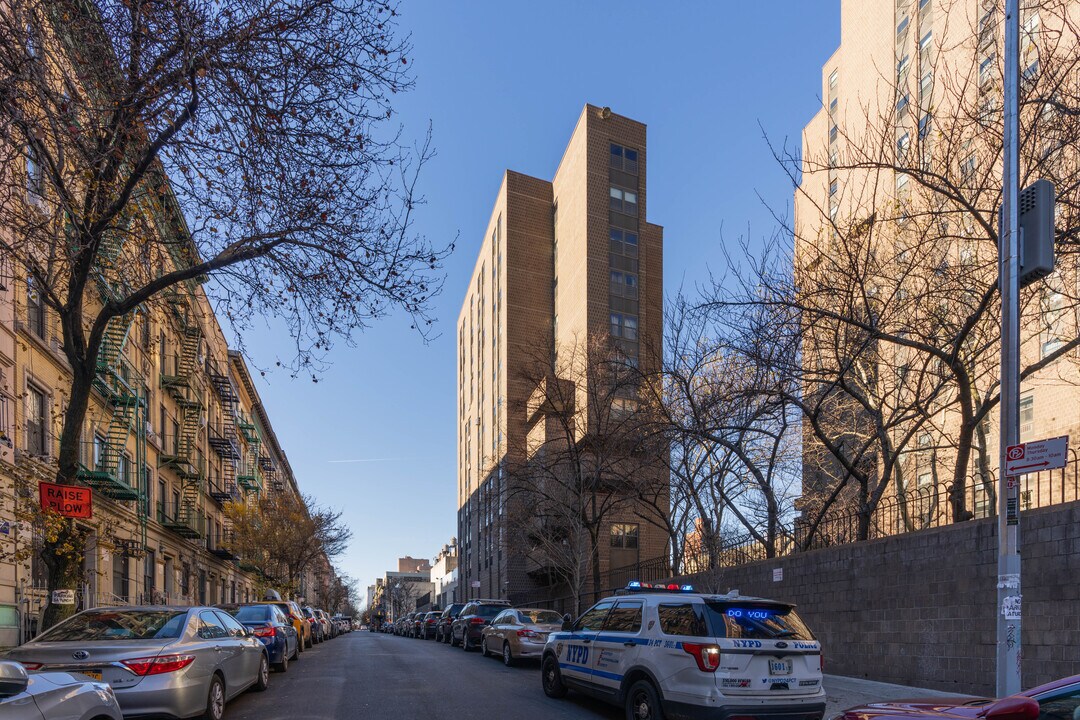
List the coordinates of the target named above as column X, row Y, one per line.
column 563, row 263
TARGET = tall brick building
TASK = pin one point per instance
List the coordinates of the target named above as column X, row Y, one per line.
column 562, row 262
column 911, row 104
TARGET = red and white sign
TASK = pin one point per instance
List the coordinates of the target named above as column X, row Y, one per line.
column 1036, row 456
column 69, row 501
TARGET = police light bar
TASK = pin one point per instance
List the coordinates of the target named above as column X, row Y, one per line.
column 637, row 586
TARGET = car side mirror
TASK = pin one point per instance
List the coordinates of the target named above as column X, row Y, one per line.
column 13, row 678
column 1015, row 707
column 567, row 621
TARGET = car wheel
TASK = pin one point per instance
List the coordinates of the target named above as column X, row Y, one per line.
column 297, row 650
column 483, row 647
column 552, row 678
column 508, row 657
column 283, row 666
column 215, row 699
column 263, row 680
column 453, row 640
column 465, row 641
column 642, row 702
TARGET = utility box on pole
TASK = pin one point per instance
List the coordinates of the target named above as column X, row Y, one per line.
column 1036, row 231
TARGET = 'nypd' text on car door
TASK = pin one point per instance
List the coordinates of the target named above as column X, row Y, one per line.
column 576, row 654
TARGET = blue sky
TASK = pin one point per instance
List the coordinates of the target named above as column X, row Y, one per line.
column 502, row 84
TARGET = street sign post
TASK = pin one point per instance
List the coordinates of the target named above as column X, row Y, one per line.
column 1036, row 456
column 1008, row 526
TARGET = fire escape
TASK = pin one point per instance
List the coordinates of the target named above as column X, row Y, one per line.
column 250, row 476
column 222, row 437
column 178, row 379
column 106, row 466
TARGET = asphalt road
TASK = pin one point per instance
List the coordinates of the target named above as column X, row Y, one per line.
column 363, row 674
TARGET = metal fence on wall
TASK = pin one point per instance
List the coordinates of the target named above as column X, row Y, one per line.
column 922, row 509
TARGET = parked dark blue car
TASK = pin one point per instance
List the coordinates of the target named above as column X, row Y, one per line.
column 270, row 625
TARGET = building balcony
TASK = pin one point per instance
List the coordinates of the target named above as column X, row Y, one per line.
column 182, row 520
column 108, row 471
column 225, row 492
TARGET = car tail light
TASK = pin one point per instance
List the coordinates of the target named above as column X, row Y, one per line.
column 526, row 633
column 32, row 666
column 707, row 656
column 268, row 631
column 157, row 665
column 478, row 621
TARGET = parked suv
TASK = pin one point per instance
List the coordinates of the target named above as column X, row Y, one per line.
column 471, row 621
column 427, row 624
column 653, row 649
column 442, row 628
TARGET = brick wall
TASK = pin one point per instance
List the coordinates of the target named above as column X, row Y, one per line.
column 918, row 609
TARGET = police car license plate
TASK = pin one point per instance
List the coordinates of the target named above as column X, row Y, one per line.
column 92, row 674
column 780, row 667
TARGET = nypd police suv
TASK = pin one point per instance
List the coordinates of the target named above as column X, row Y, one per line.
column 665, row 651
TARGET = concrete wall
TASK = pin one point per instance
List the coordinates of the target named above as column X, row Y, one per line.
column 918, row 609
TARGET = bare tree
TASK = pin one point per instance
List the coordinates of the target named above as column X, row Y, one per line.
column 150, row 146
column 592, row 453
column 894, row 252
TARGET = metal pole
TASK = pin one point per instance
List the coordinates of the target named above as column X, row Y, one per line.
column 1007, row 609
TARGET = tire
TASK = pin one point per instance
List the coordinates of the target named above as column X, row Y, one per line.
column 465, row 641
column 283, row 666
column 215, row 699
column 643, row 702
column 551, row 678
column 453, row 640
column 262, row 680
column 483, row 647
column 507, row 655
column 296, row 651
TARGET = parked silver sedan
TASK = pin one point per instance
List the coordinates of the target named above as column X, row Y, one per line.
column 43, row 696
column 174, row 661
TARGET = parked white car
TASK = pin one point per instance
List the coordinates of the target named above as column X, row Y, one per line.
column 47, row 695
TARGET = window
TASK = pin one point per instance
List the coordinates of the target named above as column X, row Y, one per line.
column 924, row 126
column 902, row 67
column 832, row 105
column 902, row 144
column 1060, row 704
column 924, row 41
column 36, row 414
column 624, row 326
column 833, row 77
column 833, row 187
column 967, row 167
column 210, row 627
column 834, row 132
column 35, row 173
column 593, row 619
column 1030, row 72
column 623, row 243
column 925, row 479
column 986, row 70
column 624, row 535
column 1053, row 311
column 624, row 617
column 624, row 284
column 926, row 82
column 901, row 182
column 903, row 25
column 623, row 201
column 35, row 308
column 623, row 158
column 902, row 105
column 1027, row 414
column 986, row 28
column 684, row 619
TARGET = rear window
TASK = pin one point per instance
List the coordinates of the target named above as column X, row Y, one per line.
column 118, row 625
column 542, row 617
column 685, row 619
column 253, row 613
column 489, row 611
column 757, row 622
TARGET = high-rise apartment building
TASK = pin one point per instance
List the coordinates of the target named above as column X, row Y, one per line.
column 898, row 200
column 563, row 263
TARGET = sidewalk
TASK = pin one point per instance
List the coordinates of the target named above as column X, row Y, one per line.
column 844, row 692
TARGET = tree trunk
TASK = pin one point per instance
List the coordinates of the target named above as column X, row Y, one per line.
column 63, row 556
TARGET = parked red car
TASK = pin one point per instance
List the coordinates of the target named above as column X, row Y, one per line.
column 1058, row 700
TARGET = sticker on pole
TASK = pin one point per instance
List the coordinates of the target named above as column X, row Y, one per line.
column 1036, row 456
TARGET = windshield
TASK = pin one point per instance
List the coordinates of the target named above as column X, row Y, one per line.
column 756, row 622
column 118, row 625
column 253, row 613
column 542, row 617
